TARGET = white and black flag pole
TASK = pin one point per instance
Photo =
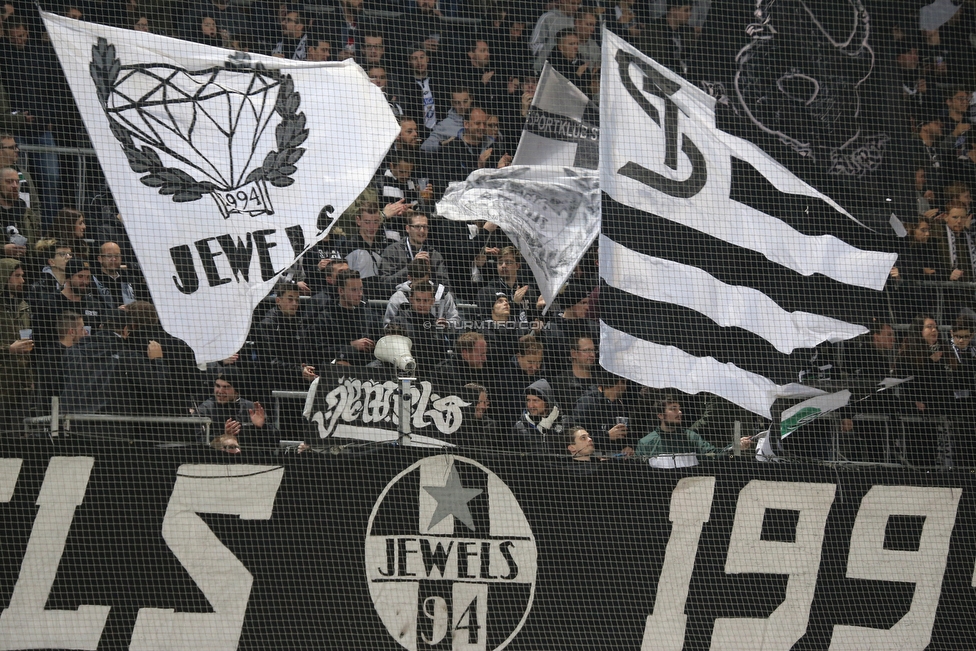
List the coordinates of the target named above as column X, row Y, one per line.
column 225, row 166
column 716, row 262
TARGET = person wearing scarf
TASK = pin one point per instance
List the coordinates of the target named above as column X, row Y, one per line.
column 541, row 424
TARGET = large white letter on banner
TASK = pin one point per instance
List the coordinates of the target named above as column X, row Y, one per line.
column 25, row 624
column 245, row 490
column 691, row 503
column 868, row 559
column 799, row 559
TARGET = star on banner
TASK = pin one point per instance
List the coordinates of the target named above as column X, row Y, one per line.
column 452, row 499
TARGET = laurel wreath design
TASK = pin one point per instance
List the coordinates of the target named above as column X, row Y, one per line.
column 276, row 169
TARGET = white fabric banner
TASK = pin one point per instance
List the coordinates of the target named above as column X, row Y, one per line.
column 551, row 214
column 225, row 166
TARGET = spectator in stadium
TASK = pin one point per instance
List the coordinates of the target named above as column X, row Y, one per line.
column 380, row 79
column 957, row 256
column 568, row 324
column 622, row 18
column 477, row 427
column 565, row 59
column 232, row 415
column 374, row 51
column 9, row 157
column 579, row 444
column 20, row 223
column 69, row 228
column 365, row 250
column 957, row 122
column 422, row 95
column 509, row 40
column 293, row 41
column 350, row 329
column 33, row 79
column 670, row 438
column 479, row 75
column 347, row 28
column 16, row 346
column 397, row 256
column 525, row 299
column 287, row 341
column 917, row 261
column 586, row 25
column 110, row 281
column 541, row 425
column 423, row 22
column 329, row 296
column 921, row 355
column 52, row 276
column 452, row 124
column 409, row 137
column 929, row 150
column 205, row 32
column 468, row 366
column 573, row 383
column 318, row 258
column 50, row 363
column 431, row 336
column 602, row 412
column 444, row 307
column 514, row 375
column 227, row 444
column 671, row 41
column 961, row 395
column 472, row 151
column 108, row 374
column 319, row 48
column 74, row 296
column 399, row 183
column 543, row 38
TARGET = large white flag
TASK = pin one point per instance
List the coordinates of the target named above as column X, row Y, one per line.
column 548, row 200
column 716, row 261
column 551, row 214
column 225, row 167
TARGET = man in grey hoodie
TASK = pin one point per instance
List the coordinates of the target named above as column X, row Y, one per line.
column 541, row 424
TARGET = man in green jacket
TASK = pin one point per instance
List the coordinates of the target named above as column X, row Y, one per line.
column 669, row 438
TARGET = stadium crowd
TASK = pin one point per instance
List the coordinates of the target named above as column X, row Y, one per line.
column 77, row 320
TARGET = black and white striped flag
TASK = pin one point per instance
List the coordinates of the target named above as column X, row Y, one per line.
column 716, row 261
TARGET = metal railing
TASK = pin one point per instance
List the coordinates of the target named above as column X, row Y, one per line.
column 82, row 156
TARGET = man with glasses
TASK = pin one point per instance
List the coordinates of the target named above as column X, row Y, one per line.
column 53, row 274
column 397, row 256
column 110, row 281
column 571, row 385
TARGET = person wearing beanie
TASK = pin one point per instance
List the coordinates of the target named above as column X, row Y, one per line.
column 16, row 346
column 75, row 296
column 541, row 424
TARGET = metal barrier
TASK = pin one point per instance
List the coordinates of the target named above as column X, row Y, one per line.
column 81, row 154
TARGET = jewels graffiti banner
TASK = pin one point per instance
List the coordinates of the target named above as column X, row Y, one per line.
column 225, row 166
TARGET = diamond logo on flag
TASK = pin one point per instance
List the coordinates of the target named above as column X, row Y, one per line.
column 201, row 132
